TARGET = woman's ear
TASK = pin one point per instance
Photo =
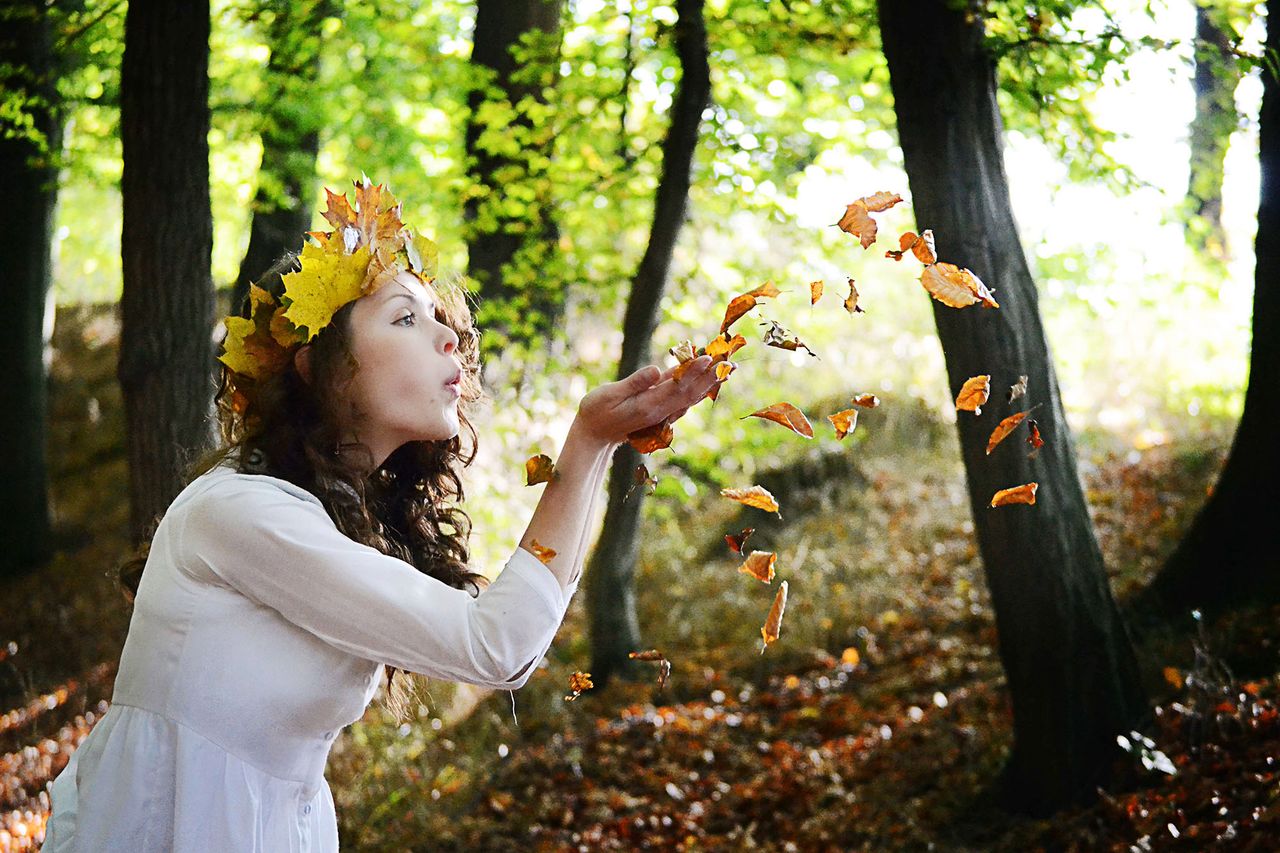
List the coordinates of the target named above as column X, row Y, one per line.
column 302, row 362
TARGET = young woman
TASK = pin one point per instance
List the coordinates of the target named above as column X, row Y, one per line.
column 323, row 543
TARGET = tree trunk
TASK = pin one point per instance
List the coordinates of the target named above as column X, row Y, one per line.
column 290, row 140
column 615, row 631
column 1216, row 76
column 166, row 310
column 29, row 175
column 502, row 235
column 1071, row 671
column 1231, row 553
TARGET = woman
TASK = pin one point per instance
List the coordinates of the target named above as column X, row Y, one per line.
column 321, row 544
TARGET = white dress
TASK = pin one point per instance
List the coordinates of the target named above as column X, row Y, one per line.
column 260, row 630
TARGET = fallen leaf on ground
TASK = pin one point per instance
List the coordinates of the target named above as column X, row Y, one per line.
column 1024, row 494
column 773, row 623
column 760, row 566
column 973, row 396
column 787, row 415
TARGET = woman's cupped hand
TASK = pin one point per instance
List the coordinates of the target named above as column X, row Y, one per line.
column 648, row 396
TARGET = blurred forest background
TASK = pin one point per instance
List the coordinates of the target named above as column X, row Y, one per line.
column 1096, row 671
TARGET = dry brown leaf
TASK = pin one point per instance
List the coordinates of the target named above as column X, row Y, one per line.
column 857, row 220
column 1024, row 494
column 815, row 292
column 723, row 347
column 539, row 469
column 778, row 336
column 844, row 422
column 851, row 301
column 1034, row 438
column 920, row 245
column 956, row 287
column 652, row 438
column 973, row 396
column 773, row 623
column 1003, row 429
column 578, row 682
column 641, row 479
column 546, row 555
column 755, row 496
column 866, row 401
column 736, row 541
column 787, row 415
column 655, row 656
column 760, row 566
column 1017, row 389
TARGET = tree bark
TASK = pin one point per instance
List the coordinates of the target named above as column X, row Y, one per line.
column 29, row 175
column 615, row 630
column 166, row 310
column 1216, row 76
column 1071, row 672
column 290, row 140
column 498, row 238
column 1231, row 553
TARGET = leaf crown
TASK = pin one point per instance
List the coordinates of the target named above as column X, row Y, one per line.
column 368, row 246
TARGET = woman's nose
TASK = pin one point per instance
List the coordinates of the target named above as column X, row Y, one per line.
column 450, row 341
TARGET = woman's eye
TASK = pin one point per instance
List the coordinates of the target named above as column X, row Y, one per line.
column 410, row 316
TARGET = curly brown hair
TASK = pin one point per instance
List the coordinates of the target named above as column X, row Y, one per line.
column 285, row 426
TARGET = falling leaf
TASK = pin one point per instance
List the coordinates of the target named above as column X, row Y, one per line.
column 787, row 415
column 736, row 541
column 851, row 301
column 1018, row 389
column 844, row 422
column 723, row 347
column 773, row 624
column 756, row 496
column 578, row 682
column 539, row 469
column 857, row 220
column 641, row 479
column 655, row 656
column 652, row 438
column 1003, row 429
column 973, row 396
column 920, row 245
column 778, row 336
column 760, row 566
column 1034, row 438
column 815, row 292
column 546, row 555
column 1024, row 494
column 956, row 287
column 866, row 401
column 1174, row 677
column 740, row 305
column 767, row 290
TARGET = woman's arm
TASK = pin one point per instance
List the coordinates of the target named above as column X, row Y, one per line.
column 563, row 518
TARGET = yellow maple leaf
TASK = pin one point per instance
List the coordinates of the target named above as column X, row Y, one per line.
column 327, row 281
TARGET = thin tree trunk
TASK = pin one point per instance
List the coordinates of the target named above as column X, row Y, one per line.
column 290, row 140
column 29, row 176
column 1067, row 657
column 166, row 310
column 1232, row 552
column 499, row 238
column 615, row 631
column 1216, row 76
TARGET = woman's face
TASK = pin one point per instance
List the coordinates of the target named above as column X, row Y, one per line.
column 406, row 386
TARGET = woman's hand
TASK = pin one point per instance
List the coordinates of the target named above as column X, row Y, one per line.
column 644, row 398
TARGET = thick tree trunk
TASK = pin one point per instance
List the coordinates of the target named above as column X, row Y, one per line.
column 1070, row 667
column 1232, row 552
column 166, row 311
column 499, row 236
column 290, row 140
column 615, row 630
column 29, row 176
column 1216, row 75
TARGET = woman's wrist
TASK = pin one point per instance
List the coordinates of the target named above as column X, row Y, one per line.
column 581, row 435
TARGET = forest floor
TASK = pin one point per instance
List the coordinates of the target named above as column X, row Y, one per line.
column 878, row 720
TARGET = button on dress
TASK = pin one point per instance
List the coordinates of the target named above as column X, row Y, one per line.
column 259, row 630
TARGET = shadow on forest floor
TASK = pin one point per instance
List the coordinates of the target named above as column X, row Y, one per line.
column 875, row 722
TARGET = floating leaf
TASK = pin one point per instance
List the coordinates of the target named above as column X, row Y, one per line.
column 1034, row 438
column 652, row 438
column 956, row 287
column 655, row 656
column 723, row 347
column 778, row 336
column 641, row 479
column 736, row 541
column 546, row 555
column 851, row 301
column 973, row 396
column 1003, row 429
column 866, row 401
column 787, row 415
column 578, row 682
column 755, row 496
column 1024, row 494
column 857, row 220
column 740, row 305
column 539, row 469
column 760, row 566
column 815, row 292
column 773, row 623
column 1017, row 389
column 844, row 422
column 920, row 245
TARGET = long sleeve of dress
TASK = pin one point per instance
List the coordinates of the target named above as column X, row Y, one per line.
column 275, row 544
